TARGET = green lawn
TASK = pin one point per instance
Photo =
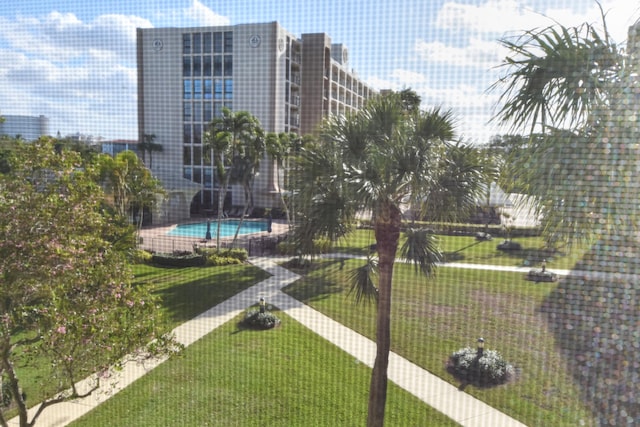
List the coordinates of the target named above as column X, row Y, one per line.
column 433, row 317
column 466, row 249
column 184, row 293
column 287, row 376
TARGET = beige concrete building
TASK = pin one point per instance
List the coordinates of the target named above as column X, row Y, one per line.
column 187, row 75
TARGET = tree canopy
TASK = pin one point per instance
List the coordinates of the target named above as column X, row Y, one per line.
column 66, row 299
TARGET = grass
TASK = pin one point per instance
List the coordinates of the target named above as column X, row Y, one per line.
column 184, row 293
column 286, row 376
column 432, row 317
column 467, row 249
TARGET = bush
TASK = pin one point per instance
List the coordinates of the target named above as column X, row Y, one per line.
column 219, row 260
column 139, row 256
column 320, row 246
column 171, row 260
column 486, row 371
column 256, row 320
column 240, row 254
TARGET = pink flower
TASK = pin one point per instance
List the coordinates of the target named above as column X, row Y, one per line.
column 61, row 330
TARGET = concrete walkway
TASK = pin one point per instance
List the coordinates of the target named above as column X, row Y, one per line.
column 446, row 398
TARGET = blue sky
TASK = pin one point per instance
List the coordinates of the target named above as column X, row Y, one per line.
column 74, row 61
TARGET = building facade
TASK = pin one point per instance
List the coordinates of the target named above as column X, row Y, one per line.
column 187, row 75
column 28, row 128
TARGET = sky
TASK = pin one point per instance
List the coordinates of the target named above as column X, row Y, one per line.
column 74, row 61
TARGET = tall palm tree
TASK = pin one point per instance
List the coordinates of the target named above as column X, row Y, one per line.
column 225, row 136
column 380, row 159
column 280, row 146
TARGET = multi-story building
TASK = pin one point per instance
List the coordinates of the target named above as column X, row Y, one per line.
column 28, row 128
column 187, row 75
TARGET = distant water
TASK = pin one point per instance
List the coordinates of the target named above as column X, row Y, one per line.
column 227, row 228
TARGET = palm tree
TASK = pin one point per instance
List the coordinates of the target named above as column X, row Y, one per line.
column 280, row 146
column 380, row 159
column 573, row 89
column 245, row 167
column 579, row 92
column 149, row 145
column 225, row 136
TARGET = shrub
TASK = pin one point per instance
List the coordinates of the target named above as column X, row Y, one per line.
column 239, row 254
column 320, row 246
column 219, row 260
column 140, row 256
column 256, row 320
column 171, row 260
column 486, row 371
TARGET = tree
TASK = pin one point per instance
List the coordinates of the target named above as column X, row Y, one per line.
column 130, row 184
column 379, row 160
column 66, row 298
column 148, row 145
column 280, row 146
column 246, row 164
column 572, row 88
column 579, row 92
column 225, row 136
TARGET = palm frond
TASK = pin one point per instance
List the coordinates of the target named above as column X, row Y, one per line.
column 362, row 281
column 421, row 249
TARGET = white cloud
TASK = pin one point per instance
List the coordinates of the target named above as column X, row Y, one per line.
column 202, row 15
column 476, row 53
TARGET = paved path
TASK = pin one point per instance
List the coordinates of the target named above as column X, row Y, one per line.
column 446, row 398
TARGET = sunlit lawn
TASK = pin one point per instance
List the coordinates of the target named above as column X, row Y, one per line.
column 433, row 317
column 287, row 376
column 468, row 250
column 184, row 293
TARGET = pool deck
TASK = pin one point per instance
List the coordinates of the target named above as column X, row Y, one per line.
column 156, row 239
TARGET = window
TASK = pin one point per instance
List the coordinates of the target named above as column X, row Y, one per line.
column 228, row 65
column 228, row 89
column 197, row 112
column 207, row 178
column 206, row 43
column 217, row 66
column 197, row 66
column 217, row 89
column 207, row 112
column 187, row 112
column 186, row 137
column 186, row 43
column 228, row 42
column 197, row 43
column 197, row 155
column 206, row 66
column 197, row 175
column 186, row 66
column 217, row 109
column 186, row 155
column 187, row 173
column 197, row 89
column 187, row 89
column 197, row 134
column 208, row 88
column 217, row 42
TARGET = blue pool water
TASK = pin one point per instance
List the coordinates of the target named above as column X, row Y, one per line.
column 227, row 228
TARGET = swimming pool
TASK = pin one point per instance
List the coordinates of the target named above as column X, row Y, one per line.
column 227, row 228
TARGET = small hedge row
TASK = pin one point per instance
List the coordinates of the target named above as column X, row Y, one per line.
column 320, row 246
column 201, row 257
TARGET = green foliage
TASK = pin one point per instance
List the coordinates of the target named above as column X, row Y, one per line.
column 140, row 256
column 255, row 319
column 321, row 245
column 486, row 371
column 215, row 257
column 220, row 260
column 66, row 295
column 178, row 260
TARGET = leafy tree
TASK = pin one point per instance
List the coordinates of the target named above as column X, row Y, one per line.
column 130, row 185
column 66, row 298
column 148, row 145
column 225, row 136
column 383, row 158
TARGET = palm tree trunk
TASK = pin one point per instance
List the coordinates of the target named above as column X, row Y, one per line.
column 387, row 232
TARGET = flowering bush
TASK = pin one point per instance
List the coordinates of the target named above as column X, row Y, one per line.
column 486, row 371
column 256, row 320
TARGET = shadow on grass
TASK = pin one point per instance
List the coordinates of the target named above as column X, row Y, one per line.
column 595, row 321
column 316, row 287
